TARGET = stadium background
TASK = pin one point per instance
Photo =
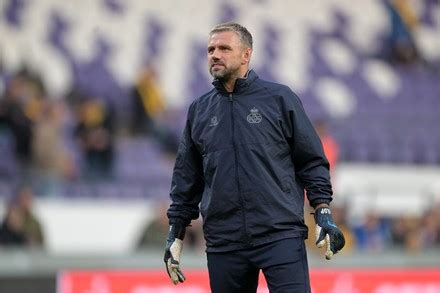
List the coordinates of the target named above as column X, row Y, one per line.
column 102, row 86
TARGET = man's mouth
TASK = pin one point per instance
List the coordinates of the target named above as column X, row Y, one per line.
column 217, row 65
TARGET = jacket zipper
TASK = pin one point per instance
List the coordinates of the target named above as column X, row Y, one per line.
column 247, row 237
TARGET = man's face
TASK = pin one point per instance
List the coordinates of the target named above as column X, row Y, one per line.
column 226, row 55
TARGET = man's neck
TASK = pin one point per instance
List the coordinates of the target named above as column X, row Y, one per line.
column 230, row 83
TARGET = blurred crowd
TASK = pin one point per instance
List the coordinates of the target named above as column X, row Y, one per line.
column 375, row 233
column 48, row 141
column 51, row 140
column 41, row 134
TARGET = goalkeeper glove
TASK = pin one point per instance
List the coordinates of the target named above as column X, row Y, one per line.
column 172, row 253
column 327, row 233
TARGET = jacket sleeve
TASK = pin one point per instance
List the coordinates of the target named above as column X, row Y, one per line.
column 187, row 182
column 311, row 165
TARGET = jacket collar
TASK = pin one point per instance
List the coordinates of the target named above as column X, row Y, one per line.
column 241, row 84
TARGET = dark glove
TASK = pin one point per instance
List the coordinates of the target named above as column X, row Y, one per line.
column 327, row 233
column 172, row 253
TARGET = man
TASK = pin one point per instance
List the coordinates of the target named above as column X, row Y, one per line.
column 247, row 153
column 20, row 226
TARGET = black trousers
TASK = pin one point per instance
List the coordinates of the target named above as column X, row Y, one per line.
column 283, row 262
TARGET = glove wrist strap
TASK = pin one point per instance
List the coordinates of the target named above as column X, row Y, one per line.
column 177, row 231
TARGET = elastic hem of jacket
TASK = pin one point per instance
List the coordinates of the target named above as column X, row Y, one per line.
column 179, row 221
column 319, row 201
column 240, row 246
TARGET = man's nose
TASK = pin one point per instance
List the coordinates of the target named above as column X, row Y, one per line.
column 215, row 55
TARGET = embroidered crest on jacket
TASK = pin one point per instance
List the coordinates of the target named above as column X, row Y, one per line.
column 254, row 116
column 214, row 121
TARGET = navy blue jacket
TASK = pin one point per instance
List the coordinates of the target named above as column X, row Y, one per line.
column 244, row 161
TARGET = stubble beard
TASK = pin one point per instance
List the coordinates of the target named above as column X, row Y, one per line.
column 225, row 74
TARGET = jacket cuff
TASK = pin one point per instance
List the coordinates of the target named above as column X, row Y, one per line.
column 179, row 221
column 319, row 201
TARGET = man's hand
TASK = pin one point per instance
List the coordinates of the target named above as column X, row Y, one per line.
column 327, row 233
column 172, row 253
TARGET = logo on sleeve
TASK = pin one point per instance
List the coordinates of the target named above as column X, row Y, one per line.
column 214, row 121
column 254, row 116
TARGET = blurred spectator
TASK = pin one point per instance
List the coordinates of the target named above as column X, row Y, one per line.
column 400, row 46
column 430, row 228
column 95, row 134
column 20, row 226
column 373, row 234
column 156, row 231
column 51, row 159
column 18, row 107
column 413, row 240
column 398, row 231
column 11, row 230
column 331, row 147
column 32, row 226
column 147, row 102
column 149, row 111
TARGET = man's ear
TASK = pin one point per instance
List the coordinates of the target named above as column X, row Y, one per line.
column 247, row 54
